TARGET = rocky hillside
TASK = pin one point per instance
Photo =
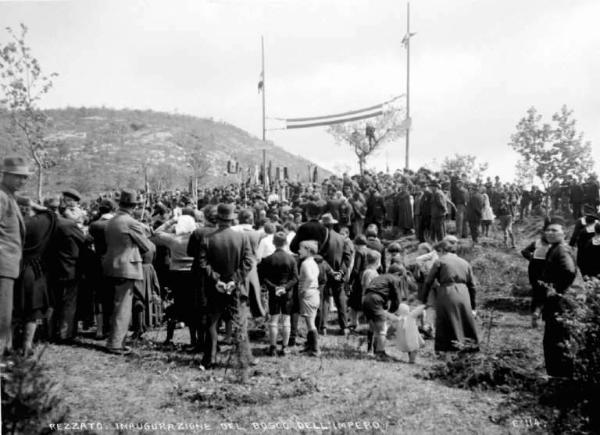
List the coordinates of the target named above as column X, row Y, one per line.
column 96, row 149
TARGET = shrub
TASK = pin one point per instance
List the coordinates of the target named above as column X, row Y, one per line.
column 505, row 370
column 579, row 397
column 29, row 397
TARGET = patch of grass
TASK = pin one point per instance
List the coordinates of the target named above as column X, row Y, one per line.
column 260, row 389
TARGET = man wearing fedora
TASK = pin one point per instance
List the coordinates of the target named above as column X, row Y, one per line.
column 12, row 234
column 122, row 265
column 338, row 253
column 224, row 260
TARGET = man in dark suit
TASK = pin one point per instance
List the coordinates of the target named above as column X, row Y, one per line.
column 474, row 212
column 438, row 212
column 12, row 236
column 225, row 259
column 193, row 250
column 103, row 296
column 65, row 273
column 338, row 254
column 126, row 241
column 312, row 229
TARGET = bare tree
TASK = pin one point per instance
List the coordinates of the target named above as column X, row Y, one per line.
column 23, row 84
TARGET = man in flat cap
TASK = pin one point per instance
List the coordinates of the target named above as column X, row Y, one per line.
column 12, row 234
column 70, row 206
column 126, row 241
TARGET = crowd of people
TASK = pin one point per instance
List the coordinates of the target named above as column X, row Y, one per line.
column 298, row 250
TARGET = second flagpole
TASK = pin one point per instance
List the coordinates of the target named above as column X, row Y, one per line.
column 264, row 136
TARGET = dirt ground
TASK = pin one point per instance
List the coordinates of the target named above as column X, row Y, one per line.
column 162, row 390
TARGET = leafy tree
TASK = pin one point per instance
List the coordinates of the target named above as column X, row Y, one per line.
column 464, row 164
column 365, row 138
column 23, row 85
column 524, row 172
column 556, row 150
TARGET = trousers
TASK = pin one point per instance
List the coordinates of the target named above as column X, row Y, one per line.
column 121, row 316
column 336, row 289
column 6, row 307
column 65, row 309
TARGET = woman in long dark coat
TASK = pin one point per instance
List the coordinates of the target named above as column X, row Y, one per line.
column 455, row 299
column 31, row 290
column 405, row 215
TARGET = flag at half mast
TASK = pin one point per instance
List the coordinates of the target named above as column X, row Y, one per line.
column 261, row 81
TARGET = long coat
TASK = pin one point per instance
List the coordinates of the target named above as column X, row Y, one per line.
column 12, row 234
column 31, row 289
column 224, row 255
column 67, row 246
column 125, row 242
column 455, row 300
column 405, row 217
column 559, row 272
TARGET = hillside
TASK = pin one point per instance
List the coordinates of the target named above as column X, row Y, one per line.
column 96, row 149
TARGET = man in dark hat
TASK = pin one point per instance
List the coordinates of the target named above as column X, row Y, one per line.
column 193, row 250
column 224, row 261
column 338, row 253
column 15, row 173
column 122, row 265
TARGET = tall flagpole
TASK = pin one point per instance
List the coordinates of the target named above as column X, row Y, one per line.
column 264, row 137
column 262, row 46
column 406, row 164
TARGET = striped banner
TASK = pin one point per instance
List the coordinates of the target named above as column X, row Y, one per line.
column 339, row 118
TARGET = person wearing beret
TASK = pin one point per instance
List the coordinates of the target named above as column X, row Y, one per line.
column 15, row 173
column 126, row 242
column 558, row 275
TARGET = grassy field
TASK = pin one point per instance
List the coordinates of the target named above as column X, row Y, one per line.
column 344, row 391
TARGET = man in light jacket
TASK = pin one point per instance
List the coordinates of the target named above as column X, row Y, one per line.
column 122, row 265
column 12, row 235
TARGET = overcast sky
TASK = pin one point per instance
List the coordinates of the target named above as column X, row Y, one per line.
column 476, row 65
